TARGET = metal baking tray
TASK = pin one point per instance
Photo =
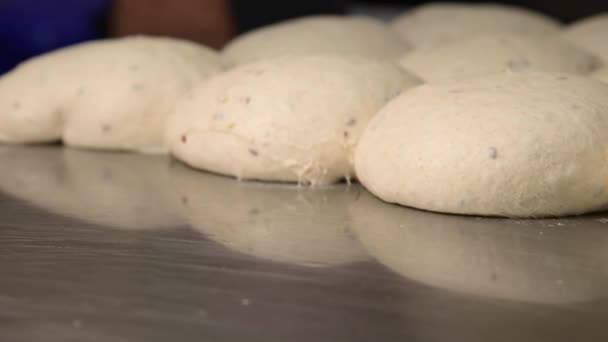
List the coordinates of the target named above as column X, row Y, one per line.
column 106, row 246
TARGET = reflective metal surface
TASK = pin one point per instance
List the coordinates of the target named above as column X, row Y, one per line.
column 121, row 247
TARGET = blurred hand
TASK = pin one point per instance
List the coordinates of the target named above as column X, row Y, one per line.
column 209, row 22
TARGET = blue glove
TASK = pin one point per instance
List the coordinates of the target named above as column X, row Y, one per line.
column 32, row 27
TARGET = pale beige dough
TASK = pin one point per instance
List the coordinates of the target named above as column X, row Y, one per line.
column 109, row 94
column 478, row 55
column 511, row 144
column 440, row 23
column 110, row 189
column 590, row 34
column 602, row 74
column 359, row 36
column 280, row 223
column 553, row 261
column 291, row 119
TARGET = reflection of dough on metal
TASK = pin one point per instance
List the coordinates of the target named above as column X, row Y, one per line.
column 115, row 189
column 545, row 261
column 277, row 222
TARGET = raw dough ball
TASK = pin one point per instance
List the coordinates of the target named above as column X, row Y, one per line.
column 590, row 34
column 358, row 36
column 538, row 261
column 293, row 119
column 111, row 94
column 440, row 23
column 602, row 74
column 118, row 190
column 486, row 54
column 281, row 223
column 510, row 144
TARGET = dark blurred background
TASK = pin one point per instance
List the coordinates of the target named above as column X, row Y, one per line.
column 32, row 27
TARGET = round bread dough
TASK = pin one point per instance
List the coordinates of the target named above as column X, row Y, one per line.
column 109, row 94
column 291, row 119
column 512, row 144
column 590, row 34
column 359, row 36
column 440, row 23
column 115, row 190
column 540, row 261
column 281, row 223
column 479, row 55
column 602, row 74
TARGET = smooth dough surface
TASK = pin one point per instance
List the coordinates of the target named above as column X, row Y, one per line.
column 602, row 74
column 551, row 261
column 511, row 144
column 359, row 36
column 277, row 222
column 111, row 189
column 440, row 23
column 590, row 34
column 479, row 55
column 109, row 94
column 291, row 119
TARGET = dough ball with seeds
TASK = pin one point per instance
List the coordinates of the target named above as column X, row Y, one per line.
column 441, row 23
column 590, row 34
column 510, row 144
column 357, row 36
column 109, row 94
column 290, row 119
column 487, row 54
